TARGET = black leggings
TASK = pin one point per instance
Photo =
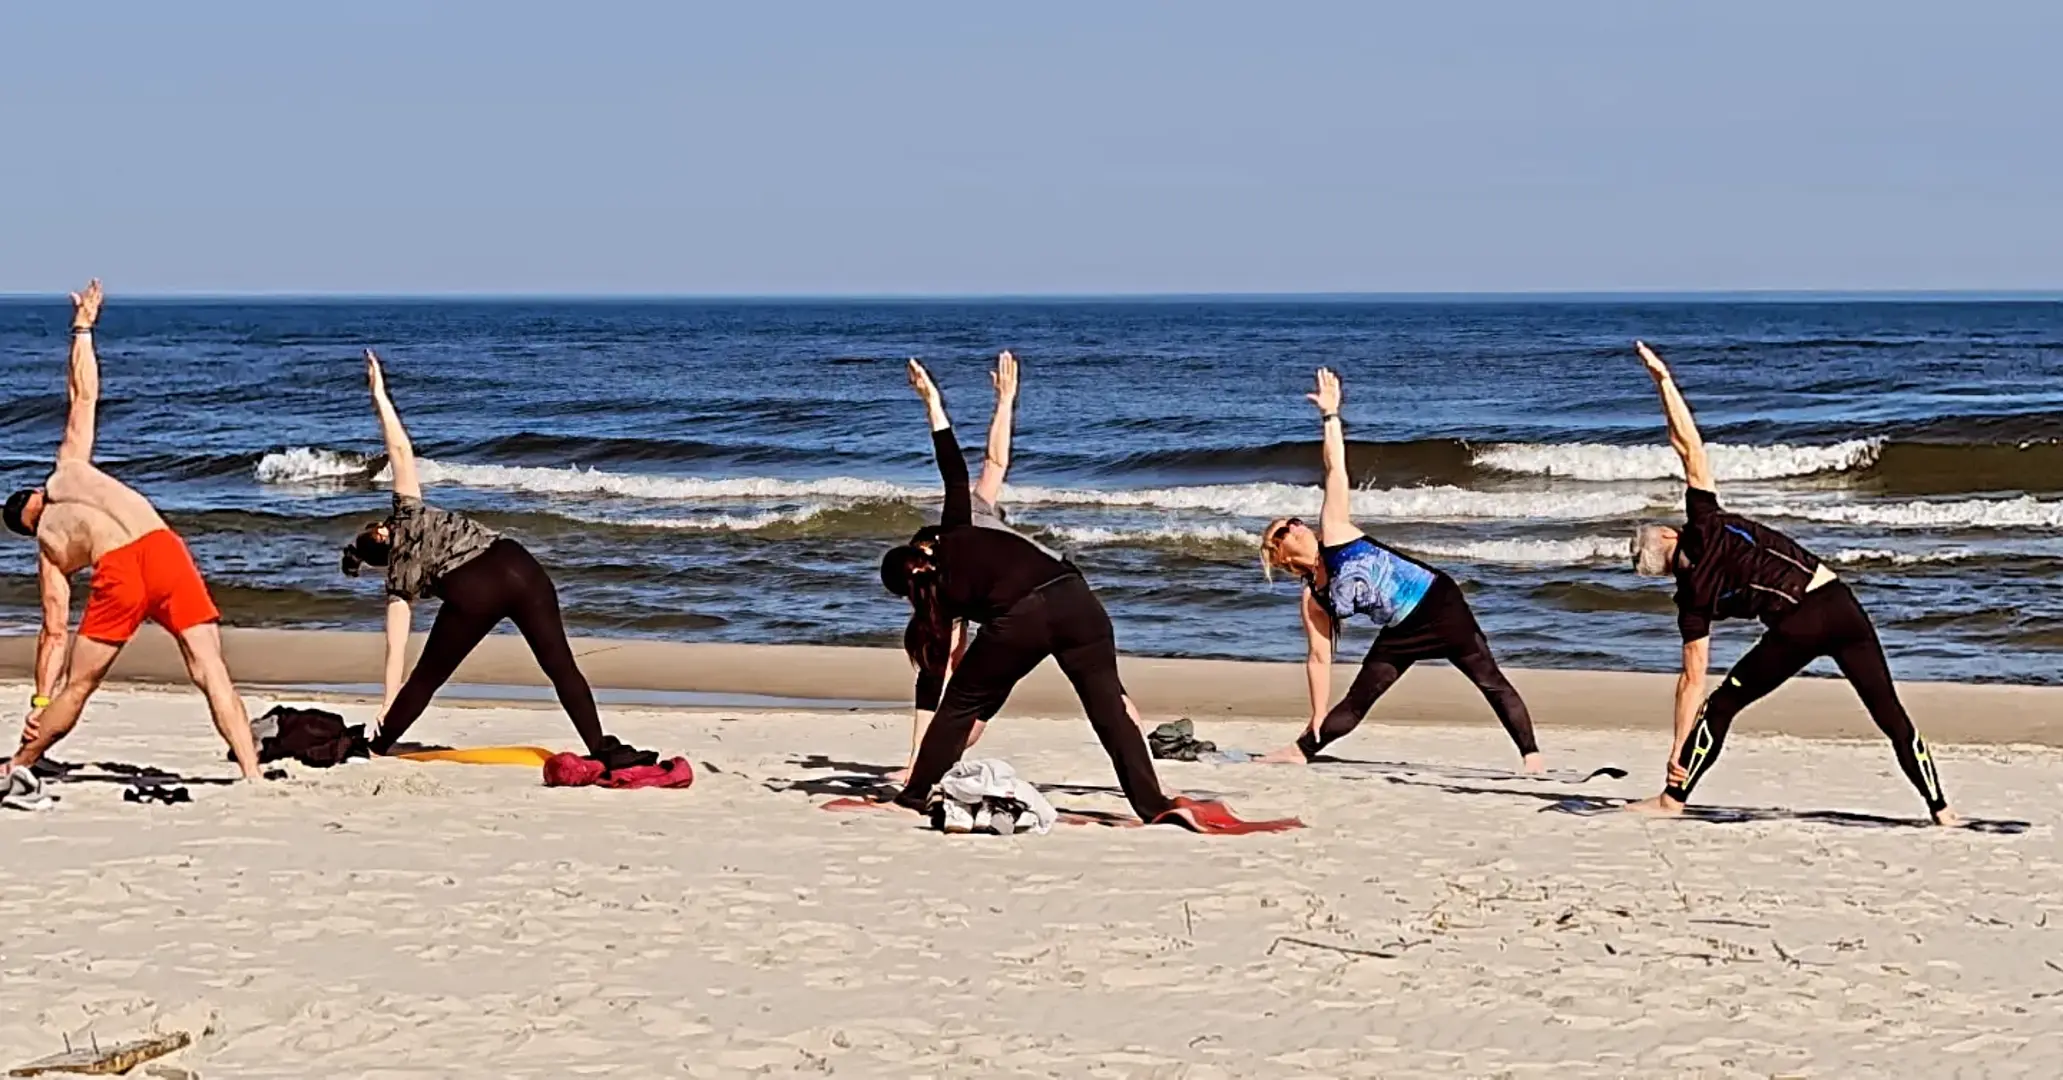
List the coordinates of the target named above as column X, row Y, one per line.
column 1441, row 627
column 1064, row 620
column 1828, row 622
column 503, row 582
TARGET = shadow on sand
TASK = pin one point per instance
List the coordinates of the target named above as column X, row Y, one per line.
column 127, row 775
column 1594, row 805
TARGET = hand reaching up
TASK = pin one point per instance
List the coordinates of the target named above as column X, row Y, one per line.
column 375, row 377
column 86, row 306
column 920, row 381
column 1656, row 368
column 1327, row 396
column 1005, row 376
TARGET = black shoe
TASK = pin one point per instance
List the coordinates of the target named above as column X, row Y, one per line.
column 615, row 754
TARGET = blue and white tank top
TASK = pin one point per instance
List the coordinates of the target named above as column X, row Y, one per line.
column 1366, row 578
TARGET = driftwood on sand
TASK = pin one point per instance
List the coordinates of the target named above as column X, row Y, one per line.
column 99, row 1060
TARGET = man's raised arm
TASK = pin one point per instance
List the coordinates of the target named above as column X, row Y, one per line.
column 84, row 388
column 1683, row 430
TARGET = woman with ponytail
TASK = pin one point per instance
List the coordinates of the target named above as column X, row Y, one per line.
column 934, row 660
column 482, row 578
column 1030, row 605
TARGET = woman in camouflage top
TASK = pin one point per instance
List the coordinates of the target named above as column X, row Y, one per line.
column 482, row 578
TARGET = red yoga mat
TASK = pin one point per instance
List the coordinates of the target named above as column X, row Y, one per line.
column 1217, row 819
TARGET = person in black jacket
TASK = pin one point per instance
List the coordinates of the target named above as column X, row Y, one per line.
column 933, row 660
column 1029, row 604
column 1729, row 567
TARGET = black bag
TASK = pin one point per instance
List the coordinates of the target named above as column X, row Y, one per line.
column 1177, row 741
column 310, row 736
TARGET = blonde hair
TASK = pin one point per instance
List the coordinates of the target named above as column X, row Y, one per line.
column 1269, row 544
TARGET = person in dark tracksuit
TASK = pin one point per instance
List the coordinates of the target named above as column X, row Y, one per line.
column 1729, row 567
column 988, row 512
column 1028, row 604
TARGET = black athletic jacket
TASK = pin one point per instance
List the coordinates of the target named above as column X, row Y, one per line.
column 1738, row 569
column 983, row 572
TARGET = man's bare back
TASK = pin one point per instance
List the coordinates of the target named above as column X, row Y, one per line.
column 88, row 513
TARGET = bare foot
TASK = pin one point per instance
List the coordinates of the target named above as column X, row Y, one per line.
column 1288, row 755
column 1947, row 818
column 1533, row 764
column 1659, row 806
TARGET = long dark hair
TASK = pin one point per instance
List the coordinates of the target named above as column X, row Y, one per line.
column 366, row 549
column 928, row 638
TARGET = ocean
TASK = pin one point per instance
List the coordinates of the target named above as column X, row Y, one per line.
column 732, row 471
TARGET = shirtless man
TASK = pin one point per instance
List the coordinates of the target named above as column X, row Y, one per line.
column 83, row 517
column 1730, row 567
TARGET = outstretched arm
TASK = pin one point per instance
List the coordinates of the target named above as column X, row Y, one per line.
column 84, row 388
column 1683, row 430
column 57, row 616
column 1336, row 517
column 51, row 654
column 400, row 452
column 952, row 466
column 1317, row 659
column 996, row 461
column 928, row 700
column 397, row 654
column 1690, row 698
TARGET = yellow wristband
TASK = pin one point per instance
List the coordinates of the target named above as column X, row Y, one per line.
column 39, row 702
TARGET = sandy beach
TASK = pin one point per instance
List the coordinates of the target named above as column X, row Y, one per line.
column 1164, row 689
column 402, row 919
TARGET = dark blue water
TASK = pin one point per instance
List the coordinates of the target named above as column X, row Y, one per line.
column 732, row 471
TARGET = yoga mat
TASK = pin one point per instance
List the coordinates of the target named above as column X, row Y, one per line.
column 1217, row 819
column 1704, row 814
column 1347, row 767
column 1210, row 818
column 850, row 805
column 531, row 756
column 1351, row 767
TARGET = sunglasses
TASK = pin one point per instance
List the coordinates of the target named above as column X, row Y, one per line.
column 1282, row 530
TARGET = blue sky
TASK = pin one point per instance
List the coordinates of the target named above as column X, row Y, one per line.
column 1054, row 147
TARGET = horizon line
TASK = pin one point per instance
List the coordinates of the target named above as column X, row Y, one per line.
column 1433, row 296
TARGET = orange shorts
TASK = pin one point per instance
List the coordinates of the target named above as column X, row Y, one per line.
column 152, row 577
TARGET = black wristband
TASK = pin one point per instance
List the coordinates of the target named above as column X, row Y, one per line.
column 1326, row 418
column 78, row 330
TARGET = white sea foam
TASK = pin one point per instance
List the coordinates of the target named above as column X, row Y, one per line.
column 1597, row 462
column 1238, row 500
column 1421, row 503
column 575, row 480
column 1572, row 552
column 2025, row 512
column 309, row 465
column 708, row 523
column 1851, row 556
column 1203, row 535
